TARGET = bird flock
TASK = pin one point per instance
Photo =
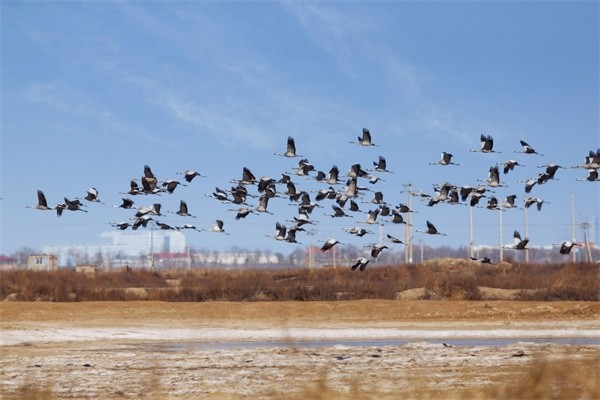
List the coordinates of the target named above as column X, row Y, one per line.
column 347, row 194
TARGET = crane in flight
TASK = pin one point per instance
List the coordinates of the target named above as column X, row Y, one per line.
column 290, row 149
column 360, row 263
column 365, row 140
column 487, row 145
column 519, row 243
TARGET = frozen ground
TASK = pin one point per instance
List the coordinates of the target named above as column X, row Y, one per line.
column 296, row 351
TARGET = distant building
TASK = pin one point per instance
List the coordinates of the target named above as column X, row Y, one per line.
column 42, row 262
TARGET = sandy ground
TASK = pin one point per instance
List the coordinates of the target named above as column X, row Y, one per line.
column 346, row 349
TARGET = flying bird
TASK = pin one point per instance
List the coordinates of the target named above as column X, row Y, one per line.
column 360, row 263
column 509, row 165
column 42, row 204
column 519, row 244
column 329, row 243
column 290, row 150
column 431, row 230
column 527, row 149
column 487, row 145
column 217, row 227
column 365, row 140
column 120, row 225
column 592, row 176
column 126, row 204
column 566, row 246
column 183, row 210
column 393, row 239
column 377, row 249
column 189, row 175
column 446, row 159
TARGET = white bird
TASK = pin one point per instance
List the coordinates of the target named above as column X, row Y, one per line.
column 446, row 159
column 42, row 204
column 527, row 149
column 519, row 244
column 431, row 230
column 360, row 263
column 365, row 140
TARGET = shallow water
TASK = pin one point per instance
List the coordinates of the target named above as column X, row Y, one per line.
column 192, row 346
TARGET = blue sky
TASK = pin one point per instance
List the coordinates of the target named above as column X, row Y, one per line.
column 93, row 91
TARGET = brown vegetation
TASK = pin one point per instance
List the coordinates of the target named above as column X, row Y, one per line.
column 437, row 279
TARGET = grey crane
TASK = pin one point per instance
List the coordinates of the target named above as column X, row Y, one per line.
column 566, row 246
column 120, row 225
column 355, row 230
column 509, row 165
column 365, row 140
column 377, row 249
column 190, row 174
column 487, row 145
column 170, row 185
column 527, row 149
column 431, row 230
column 290, row 149
column 519, row 244
column 329, row 243
column 360, row 263
column 217, row 227
column 338, row 212
column 535, row 200
column 92, row 196
column 381, row 165
column 493, row 179
column 242, row 212
column 393, row 239
column 187, row 226
column 42, row 204
column 484, row 260
column 183, row 210
column 445, row 159
column 592, row 176
column 126, row 204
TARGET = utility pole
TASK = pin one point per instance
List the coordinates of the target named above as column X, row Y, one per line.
column 501, row 248
column 585, row 226
column 470, row 231
column 408, row 248
column 526, row 231
column 573, row 256
column 151, row 249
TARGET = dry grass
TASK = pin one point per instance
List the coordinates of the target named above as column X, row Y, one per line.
column 443, row 279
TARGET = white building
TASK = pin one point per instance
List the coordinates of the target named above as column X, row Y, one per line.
column 123, row 244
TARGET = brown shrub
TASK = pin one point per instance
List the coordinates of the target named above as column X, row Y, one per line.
column 459, row 280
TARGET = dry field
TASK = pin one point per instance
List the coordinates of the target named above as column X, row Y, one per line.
column 299, row 350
